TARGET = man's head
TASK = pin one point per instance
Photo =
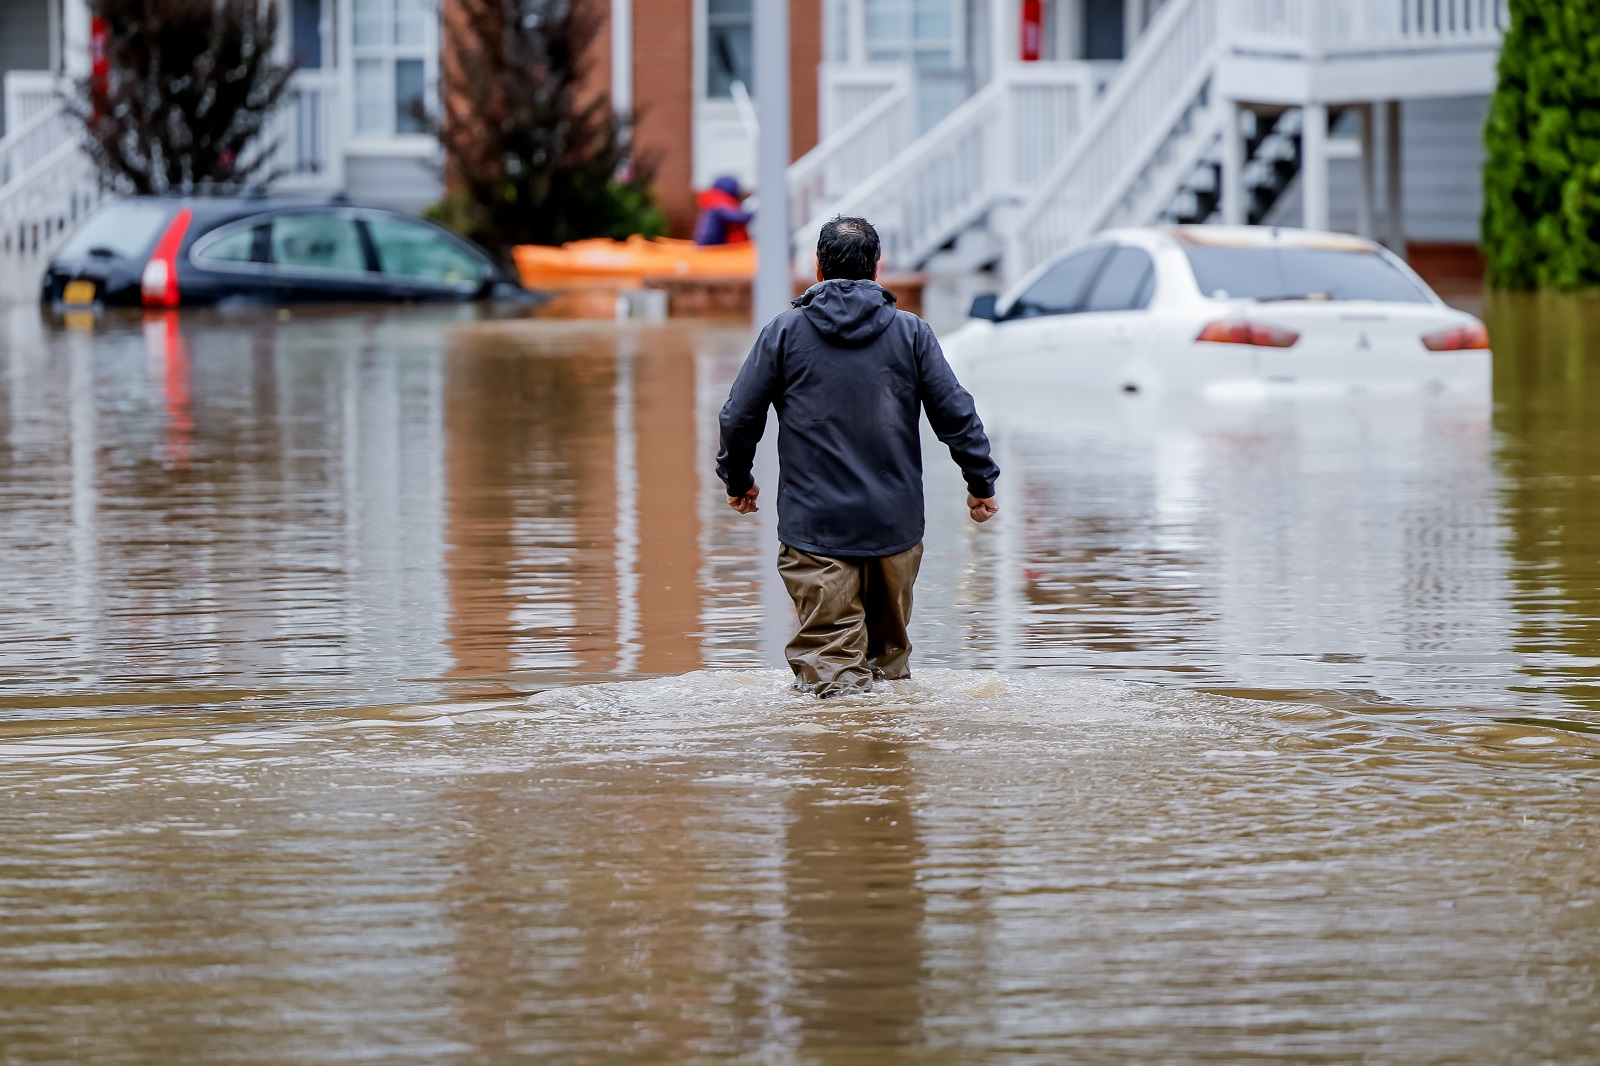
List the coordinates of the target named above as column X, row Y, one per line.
column 847, row 249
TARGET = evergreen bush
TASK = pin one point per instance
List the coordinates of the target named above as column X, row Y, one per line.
column 532, row 157
column 1541, row 177
column 189, row 89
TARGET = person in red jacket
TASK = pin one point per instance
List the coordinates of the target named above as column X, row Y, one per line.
column 722, row 219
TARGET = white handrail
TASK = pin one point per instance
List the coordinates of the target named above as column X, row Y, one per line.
column 35, row 139
column 1166, row 70
column 850, row 154
column 988, row 149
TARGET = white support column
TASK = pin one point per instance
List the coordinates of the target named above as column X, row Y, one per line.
column 1394, row 222
column 1314, row 167
column 774, row 283
column 1234, row 210
column 1367, row 192
column 1004, row 35
column 75, row 38
column 622, row 56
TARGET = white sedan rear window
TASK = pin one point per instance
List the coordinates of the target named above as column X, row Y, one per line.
column 1289, row 273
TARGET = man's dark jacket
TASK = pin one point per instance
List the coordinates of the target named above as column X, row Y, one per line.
column 849, row 376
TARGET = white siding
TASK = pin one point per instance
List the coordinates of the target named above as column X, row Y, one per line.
column 393, row 181
column 24, row 39
column 1442, row 156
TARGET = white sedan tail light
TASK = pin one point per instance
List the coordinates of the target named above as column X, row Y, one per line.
column 1457, row 339
column 1240, row 331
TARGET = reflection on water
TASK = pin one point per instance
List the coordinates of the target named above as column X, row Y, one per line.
column 275, row 789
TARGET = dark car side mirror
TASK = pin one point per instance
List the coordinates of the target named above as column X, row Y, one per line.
column 985, row 307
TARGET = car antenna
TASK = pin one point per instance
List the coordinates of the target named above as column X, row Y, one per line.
column 339, row 197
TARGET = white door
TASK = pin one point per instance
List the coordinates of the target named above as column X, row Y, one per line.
column 1040, row 342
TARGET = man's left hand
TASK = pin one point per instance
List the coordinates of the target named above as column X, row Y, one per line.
column 982, row 510
column 745, row 504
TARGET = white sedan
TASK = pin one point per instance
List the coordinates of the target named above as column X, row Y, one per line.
column 1231, row 312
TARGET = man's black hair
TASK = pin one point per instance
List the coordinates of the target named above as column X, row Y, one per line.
column 847, row 248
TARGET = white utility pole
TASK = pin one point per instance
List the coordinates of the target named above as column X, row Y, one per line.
column 774, row 286
column 622, row 57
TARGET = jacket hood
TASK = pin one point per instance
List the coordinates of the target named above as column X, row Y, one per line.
column 706, row 199
column 848, row 313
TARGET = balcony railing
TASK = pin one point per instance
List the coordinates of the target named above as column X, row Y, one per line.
column 1310, row 28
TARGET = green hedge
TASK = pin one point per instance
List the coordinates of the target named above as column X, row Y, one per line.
column 1541, row 178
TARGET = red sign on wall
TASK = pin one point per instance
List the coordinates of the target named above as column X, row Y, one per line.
column 1032, row 29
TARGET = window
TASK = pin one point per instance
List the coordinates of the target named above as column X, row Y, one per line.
column 1285, row 273
column 236, row 245
column 729, row 46
column 126, row 229
column 1059, row 291
column 916, row 31
column 314, row 241
column 390, row 40
column 1124, row 283
column 414, row 250
column 306, row 41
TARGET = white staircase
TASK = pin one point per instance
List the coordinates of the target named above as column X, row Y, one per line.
column 1156, row 122
column 1043, row 158
column 46, row 181
column 922, row 192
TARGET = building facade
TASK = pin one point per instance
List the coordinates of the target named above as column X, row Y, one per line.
column 981, row 132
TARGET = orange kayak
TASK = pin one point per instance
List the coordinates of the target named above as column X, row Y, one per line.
column 629, row 263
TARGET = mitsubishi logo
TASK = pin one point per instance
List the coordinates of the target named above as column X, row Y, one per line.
column 1363, row 344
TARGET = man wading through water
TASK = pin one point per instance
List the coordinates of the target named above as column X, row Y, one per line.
column 849, row 376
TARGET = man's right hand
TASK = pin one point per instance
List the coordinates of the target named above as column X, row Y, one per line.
column 745, row 504
column 982, row 510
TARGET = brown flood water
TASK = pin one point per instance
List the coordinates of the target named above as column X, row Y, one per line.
column 394, row 687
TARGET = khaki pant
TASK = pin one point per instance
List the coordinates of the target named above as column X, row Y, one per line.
column 853, row 617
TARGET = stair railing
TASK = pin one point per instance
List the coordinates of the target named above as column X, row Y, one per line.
column 1159, row 82
column 986, row 150
column 851, row 154
column 47, row 182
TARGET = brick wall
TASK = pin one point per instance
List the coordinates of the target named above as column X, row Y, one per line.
column 805, row 54
column 663, row 94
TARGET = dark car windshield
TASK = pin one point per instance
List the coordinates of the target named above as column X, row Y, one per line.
column 126, row 229
column 1288, row 273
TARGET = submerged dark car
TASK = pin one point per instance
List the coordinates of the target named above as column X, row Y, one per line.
column 169, row 252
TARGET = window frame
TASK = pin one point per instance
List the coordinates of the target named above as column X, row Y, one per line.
column 387, row 54
column 1147, row 284
column 489, row 274
column 1105, row 248
column 227, row 229
column 712, row 22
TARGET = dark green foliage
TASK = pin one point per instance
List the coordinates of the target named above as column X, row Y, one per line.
column 530, row 159
column 1541, row 180
column 191, row 86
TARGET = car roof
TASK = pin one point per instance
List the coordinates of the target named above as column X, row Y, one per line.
column 1266, row 237
column 212, row 208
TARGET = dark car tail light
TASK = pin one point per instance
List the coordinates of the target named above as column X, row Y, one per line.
column 158, row 285
column 1457, row 339
column 1239, row 331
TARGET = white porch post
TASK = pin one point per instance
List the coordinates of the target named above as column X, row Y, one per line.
column 1394, row 223
column 773, row 275
column 1003, row 35
column 622, row 56
column 1314, row 167
column 1234, row 210
column 1367, row 192
column 75, row 38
